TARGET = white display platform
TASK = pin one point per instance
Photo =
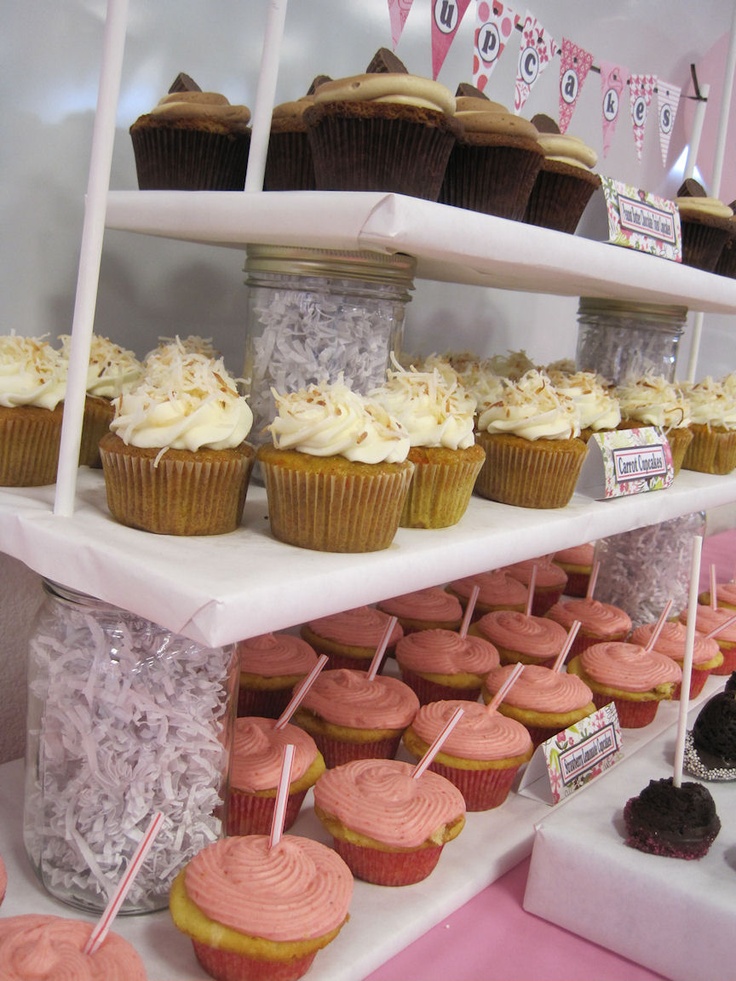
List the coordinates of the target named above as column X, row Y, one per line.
column 671, row 915
column 383, row 920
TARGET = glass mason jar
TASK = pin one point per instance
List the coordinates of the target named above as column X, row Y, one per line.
column 125, row 718
column 618, row 338
column 317, row 314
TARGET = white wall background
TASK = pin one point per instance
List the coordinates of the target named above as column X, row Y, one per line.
column 49, row 64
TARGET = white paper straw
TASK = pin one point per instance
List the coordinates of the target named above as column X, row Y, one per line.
column 532, row 586
column 713, row 588
column 265, row 95
column 687, row 663
column 660, row 624
column 724, row 626
column 300, row 692
column 101, row 930
column 437, row 744
column 571, row 635
column 469, row 609
column 505, row 688
column 593, row 580
column 381, row 649
column 282, row 796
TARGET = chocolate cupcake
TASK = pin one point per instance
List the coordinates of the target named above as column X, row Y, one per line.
column 677, row 822
column 710, row 746
column 706, row 226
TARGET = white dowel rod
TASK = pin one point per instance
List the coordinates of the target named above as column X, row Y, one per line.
column 720, row 150
column 698, row 119
column 93, row 229
column 265, row 94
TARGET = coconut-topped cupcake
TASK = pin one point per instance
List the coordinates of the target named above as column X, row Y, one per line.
column 597, row 405
column 337, row 474
column 438, row 414
column 530, row 435
column 32, row 389
column 712, row 409
column 175, row 460
column 651, row 400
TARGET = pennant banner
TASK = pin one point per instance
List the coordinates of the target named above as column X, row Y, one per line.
column 537, row 49
column 398, row 11
column 641, row 89
column 668, row 99
column 446, row 18
column 494, row 25
column 612, row 86
column 574, row 67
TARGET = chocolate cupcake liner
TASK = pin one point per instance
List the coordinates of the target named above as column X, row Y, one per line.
column 703, row 243
column 529, row 473
column 29, row 445
column 225, row 965
column 249, row 814
column 187, row 159
column 183, row 493
column 726, row 265
column 711, row 450
column 336, row 512
column 492, row 178
column 289, row 164
column 388, row 868
column 379, row 147
column 559, row 197
column 440, row 491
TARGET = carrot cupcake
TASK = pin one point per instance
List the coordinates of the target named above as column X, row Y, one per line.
column 598, row 621
column 271, row 665
column 482, row 754
column 432, row 608
column 522, row 637
column 351, row 638
column 653, row 401
column 389, row 827
column 712, row 409
column 440, row 664
column 634, row 679
column 498, row 590
column 707, row 656
column 255, row 766
column 597, row 405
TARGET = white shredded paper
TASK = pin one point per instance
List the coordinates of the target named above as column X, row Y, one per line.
column 125, row 719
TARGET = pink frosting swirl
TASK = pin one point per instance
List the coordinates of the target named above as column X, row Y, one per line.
column 433, row 603
column 548, row 576
column 381, row 799
column 35, row 946
column 446, row 652
column 3, row 879
column 707, row 619
column 726, row 593
column 300, row 889
column 540, row 689
column 349, row 698
column 497, row 588
column 258, row 749
column 479, row 735
column 361, row 627
column 671, row 642
column 581, row 555
column 533, row 636
column 617, row 664
column 602, row 619
column 273, row 655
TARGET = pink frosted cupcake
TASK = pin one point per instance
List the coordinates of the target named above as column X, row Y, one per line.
column 425, row 609
column 270, row 667
column 671, row 641
column 498, row 591
column 351, row 638
column 544, row 701
column 522, row 637
column 55, row 947
column 3, row 880
column 440, row 664
column 257, row 754
column 256, row 913
column 708, row 619
column 626, row 674
column 598, row 622
column 577, row 564
column 550, row 581
column 725, row 595
column 482, row 754
column 389, row 827
column 351, row 716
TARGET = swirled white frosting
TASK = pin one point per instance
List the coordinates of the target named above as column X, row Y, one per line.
column 531, row 408
column 598, row 408
column 432, row 409
column 710, row 403
column 112, row 369
column 653, row 401
column 31, row 373
column 333, row 420
column 186, row 401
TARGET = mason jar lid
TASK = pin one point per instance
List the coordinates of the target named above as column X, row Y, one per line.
column 363, row 265
column 593, row 306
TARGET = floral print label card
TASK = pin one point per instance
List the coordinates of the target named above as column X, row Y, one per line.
column 626, row 461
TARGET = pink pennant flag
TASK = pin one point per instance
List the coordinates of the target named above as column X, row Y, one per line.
column 574, row 67
column 398, row 11
column 668, row 101
column 613, row 79
column 494, row 25
column 641, row 89
column 446, row 18
column 537, row 50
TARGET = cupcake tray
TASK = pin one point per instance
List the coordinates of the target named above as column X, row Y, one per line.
column 673, row 916
column 386, row 920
